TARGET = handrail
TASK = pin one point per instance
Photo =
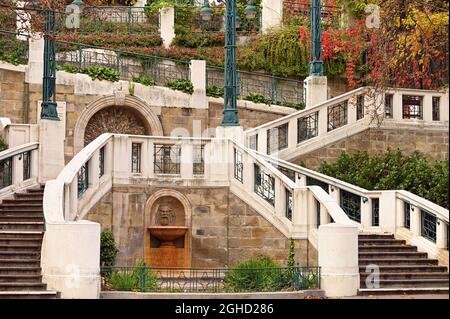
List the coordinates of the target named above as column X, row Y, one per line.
column 440, row 212
column 10, row 152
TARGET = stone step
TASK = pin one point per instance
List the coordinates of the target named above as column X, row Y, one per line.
column 21, row 208
column 20, row 270
column 379, row 242
column 35, row 190
column 403, row 291
column 9, row 262
column 21, row 278
column 35, row 195
column 21, row 286
column 375, row 236
column 39, row 226
column 410, row 283
column 386, row 248
column 398, row 261
column 392, row 254
column 8, row 234
column 21, row 247
column 406, row 268
column 22, row 218
column 30, row 294
column 24, row 200
column 26, row 241
column 20, row 255
column 407, row 275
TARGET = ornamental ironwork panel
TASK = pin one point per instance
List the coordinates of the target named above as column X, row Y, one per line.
column 388, row 105
column 199, row 159
column 310, row 181
column 136, row 151
column 288, row 204
column 307, row 127
column 436, row 103
column 26, row 158
column 253, row 142
column 375, row 212
column 166, row 159
column 351, row 205
column 83, row 179
column 101, row 162
column 428, row 225
column 412, row 106
column 277, row 138
column 337, row 115
column 406, row 215
column 238, row 166
column 359, row 107
column 6, row 172
column 264, row 185
column 317, row 213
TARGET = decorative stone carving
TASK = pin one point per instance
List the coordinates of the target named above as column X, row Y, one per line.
column 165, row 216
column 114, row 119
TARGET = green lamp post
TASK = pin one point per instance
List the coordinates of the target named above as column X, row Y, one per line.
column 316, row 63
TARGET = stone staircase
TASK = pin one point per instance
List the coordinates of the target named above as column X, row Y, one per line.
column 402, row 269
column 21, row 233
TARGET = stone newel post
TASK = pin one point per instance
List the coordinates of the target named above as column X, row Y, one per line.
column 167, row 21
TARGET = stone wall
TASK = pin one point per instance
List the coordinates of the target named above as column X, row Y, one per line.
column 12, row 94
column 224, row 229
column 377, row 140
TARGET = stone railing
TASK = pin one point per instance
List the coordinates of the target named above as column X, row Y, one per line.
column 348, row 114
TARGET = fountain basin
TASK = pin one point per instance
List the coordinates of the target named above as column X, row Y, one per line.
column 167, row 233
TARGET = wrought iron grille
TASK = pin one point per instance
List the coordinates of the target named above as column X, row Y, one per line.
column 337, row 115
column 428, row 225
column 26, row 165
column 136, row 151
column 253, row 142
column 167, row 158
column 264, row 185
column 388, row 105
column 307, row 127
column 312, row 181
column 407, row 215
column 375, row 212
column 6, row 172
column 359, row 107
column 277, row 138
column 412, row 107
column 199, row 159
column 238, row 166
column 83, row 179
column 351, row 204
column 288, row 204
column 436, row 103
column 101, row 162
column 286, row 171
column 317, row 213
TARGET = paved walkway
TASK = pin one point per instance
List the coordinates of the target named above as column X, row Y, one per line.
column 401, row 297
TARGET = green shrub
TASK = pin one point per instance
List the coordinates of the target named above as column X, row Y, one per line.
column 102, row 73
column 138, row 278
column 256, row 98
column 181, row 85
column 3, row 145
column 214, row 91
column 190, row 39
column 393, row 170
column 145, row 80
column 108, row 249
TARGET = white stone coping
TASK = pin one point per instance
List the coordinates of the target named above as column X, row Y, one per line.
column 12, row 67
column 243, row 104
column 440, row 212
column 10, row 152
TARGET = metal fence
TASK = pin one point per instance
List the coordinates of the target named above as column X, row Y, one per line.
column 77, row 57
column 213, row 280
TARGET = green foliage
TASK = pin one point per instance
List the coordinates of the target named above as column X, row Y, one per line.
column 393, row 170
column 13, row 51
column 108, row 249
column 215, row 91
column 189, row 39
column 145, row 80
column 114, row 40
column 138, row 278
column 181, row 85
column 355, row 8
column 256, row 98
column 3, row 145
column 102, row 73
column 291, row 256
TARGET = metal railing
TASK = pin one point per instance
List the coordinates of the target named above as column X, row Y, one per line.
column 14, row 50
column 212, row 280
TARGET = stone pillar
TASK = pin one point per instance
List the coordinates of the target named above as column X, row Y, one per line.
column 235, row 133
column 198, row 79
column 167, row 25
column 316, row 90
column 51, row 149
column 272, row 14
column 338, row 259
column 35, row 69
column 441, row 235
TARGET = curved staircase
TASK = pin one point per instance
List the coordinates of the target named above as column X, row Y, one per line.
column 21, row 233
column 402, row 269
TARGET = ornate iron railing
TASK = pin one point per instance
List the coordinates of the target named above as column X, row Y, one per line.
column 264, row 185
column 277, row 138
column 308, row 127
column 406, row 215
column 199, row 159
column 337, row 115
column 83, row 179
column 26, row 165
column 167, row 159
column 288, row 204
column 310, row 181
column 212, row 280
column 6, row 172
column 375, row 212
column 317, row 213
column 351, row 204
column 238, row 166
column 136, row 151
column 101, row 162
column 428, row 225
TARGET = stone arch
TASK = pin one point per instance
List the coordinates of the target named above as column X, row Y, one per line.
column 137, row 106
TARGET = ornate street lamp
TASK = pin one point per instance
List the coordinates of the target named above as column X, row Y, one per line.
column 316, row 63
column 48, row 106
column 79, row 3
column 250, row 10
column 206, row 12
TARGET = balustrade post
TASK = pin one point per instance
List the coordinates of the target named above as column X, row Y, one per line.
column 397, row 106
column 17, row 169
column 73, row 207
column 280, row 198
column 198, row 79
column 415, row 221
column 322, row 121
column 167, row 25
column 441, row 234
column 272, row 14
column 186, row 165
column 292, row 133
column 366, row 213
column 94, row 169
column 262, row 140
column 427, row 108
